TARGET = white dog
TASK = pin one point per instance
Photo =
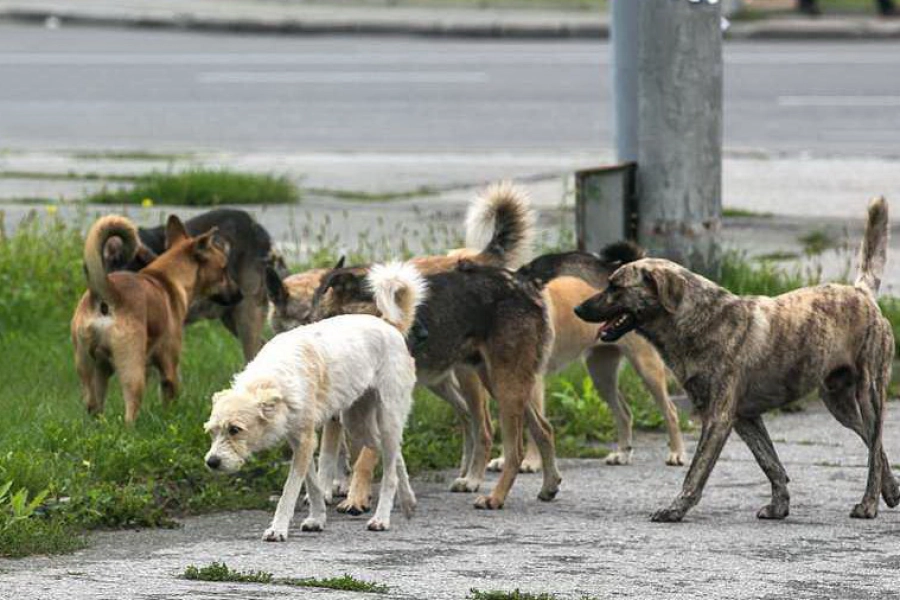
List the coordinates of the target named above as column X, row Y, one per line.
column 357, row 366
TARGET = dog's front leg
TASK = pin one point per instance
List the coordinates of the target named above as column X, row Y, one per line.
column 716, row 429
column 303, row 447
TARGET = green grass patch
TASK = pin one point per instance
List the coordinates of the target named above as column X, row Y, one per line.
column 744, row 213
column 777, row 256
column 218, row 572
column 817, row 241
column 203, row 187
column 221, row 572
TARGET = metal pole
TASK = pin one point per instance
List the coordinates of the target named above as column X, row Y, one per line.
column 679, row 123
column 624, row 16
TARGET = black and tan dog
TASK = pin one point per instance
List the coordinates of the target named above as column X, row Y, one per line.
column 127, row 321
column 250, row 252
column 568, row 279
column 481, row 320
column 738, row 357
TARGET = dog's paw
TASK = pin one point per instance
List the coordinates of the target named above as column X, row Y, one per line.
column 864, row 510
column 488, row 503
column 339, row 489
column 352, row 507
column 548, row 491
column 376, row 524
column 530, row 465
column 618, row 458
column 275, row 535
column 312, row 524
column 890, row 492
column 773, row 511
column 667, row 515
column 464, row 484
column 675, row 459
column 496, row 465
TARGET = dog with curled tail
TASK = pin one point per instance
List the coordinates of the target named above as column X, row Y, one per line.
column 355, row 366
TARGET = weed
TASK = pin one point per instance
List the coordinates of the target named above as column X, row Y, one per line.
column 744, row 213
column 777, row 256
column 203, row 187
column 345, row 582
column 818, row 241
column 221, row 572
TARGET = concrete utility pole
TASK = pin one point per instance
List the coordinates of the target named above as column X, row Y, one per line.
column 676, row 89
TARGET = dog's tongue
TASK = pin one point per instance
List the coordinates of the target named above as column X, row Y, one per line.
column 601, row 328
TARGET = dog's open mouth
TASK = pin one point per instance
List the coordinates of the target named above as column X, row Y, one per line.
column 614, row 328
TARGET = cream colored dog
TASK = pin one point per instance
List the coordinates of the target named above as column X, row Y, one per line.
column 355, row 366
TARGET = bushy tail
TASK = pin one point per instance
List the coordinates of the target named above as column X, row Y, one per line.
column 873, row 250
column 398, row 289
column 100, row 232
column 620, row 253
column 501, row 222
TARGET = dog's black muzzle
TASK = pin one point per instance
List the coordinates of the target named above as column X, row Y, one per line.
column 227, row 298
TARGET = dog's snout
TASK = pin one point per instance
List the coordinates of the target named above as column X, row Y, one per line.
column 213, row 462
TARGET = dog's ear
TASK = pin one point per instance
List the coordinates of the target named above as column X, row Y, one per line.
column 144, row 256
column 669, row 288
column 269, row 400
column 218, row 396
column 206, row 243
column 340, row 263
column 347, row 285
column 278, row 293
column 175, row 231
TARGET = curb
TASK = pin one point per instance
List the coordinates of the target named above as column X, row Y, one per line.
column 835, row 29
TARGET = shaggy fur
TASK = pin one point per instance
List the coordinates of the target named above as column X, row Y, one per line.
column 738, row 357
column 127, row 321
column 501, row 221
column 356, row 366
column 250, row 253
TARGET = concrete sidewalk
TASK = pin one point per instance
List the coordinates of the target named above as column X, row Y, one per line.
column 595, row 539
column 270, row 16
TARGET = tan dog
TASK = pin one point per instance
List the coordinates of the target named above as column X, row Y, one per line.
column 127, row 321
column 738, row 357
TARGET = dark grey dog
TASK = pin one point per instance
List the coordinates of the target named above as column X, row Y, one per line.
column 250, row 251
column 738, row 357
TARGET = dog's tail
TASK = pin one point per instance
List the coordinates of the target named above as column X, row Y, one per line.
column 100, row 232
column 873, row 250
column 398, row 289
column 619, row 253
column 501, row 222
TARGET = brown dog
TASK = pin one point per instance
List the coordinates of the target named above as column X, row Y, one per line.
column 738, row 357
column 127, row 321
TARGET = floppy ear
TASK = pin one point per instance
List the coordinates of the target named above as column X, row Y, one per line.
column 278, row 294
column 669, row 288
column 175, row 231
column 340, row 263
column 269, row 400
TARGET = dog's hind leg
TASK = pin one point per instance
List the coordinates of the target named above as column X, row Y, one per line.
column 94, row 377
column 132, row 372
column 652, row 371
column 754, row 434
column 542, row 433
column 303, row 447
column 390, row 426
column 856, row 400
column 359, row 494
column 169, row 382
column 249, row 321
column 603, row 365
column 329, row 453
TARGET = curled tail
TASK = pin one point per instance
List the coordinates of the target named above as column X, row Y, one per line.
column 398, row 289
column 101, row 231
column 501, row 222
column 873, row 250
column 620, row 253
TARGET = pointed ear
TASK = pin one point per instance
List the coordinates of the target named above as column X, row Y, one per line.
column 278, row 294
column 340, row 263
column 175, row 231
column 205, row 242
column 669, row 288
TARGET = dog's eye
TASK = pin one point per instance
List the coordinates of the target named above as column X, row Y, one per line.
column 234, row 430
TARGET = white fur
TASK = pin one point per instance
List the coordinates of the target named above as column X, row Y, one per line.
column 303, row 377
column 399, row 289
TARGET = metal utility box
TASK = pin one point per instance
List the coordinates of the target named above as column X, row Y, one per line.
column 605, row 206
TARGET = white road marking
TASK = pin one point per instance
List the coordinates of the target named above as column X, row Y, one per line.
column 351, row 77
column 839, row 101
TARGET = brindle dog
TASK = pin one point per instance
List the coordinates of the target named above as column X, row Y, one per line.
column 738, row 357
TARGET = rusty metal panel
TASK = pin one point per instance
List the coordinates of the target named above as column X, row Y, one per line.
column 605, row 206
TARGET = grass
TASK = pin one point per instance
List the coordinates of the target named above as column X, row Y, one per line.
column 817, row 241
column 202, row 187
column 92, row 473
column 68, row 176
column 219, row 572
column 744, row 213
column 130, row 155
column 361, row 196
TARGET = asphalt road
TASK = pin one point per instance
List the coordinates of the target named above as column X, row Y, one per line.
column 596, row 538
column 106, row 88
